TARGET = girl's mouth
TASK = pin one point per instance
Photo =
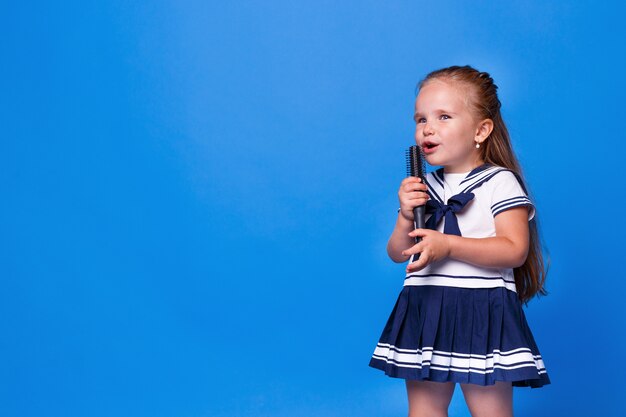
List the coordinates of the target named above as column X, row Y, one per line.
column 429, row 147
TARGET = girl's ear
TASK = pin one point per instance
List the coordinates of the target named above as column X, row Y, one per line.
column 483, row 130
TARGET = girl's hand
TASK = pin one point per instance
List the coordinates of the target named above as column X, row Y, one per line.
column 434, row 247
column 412, row 193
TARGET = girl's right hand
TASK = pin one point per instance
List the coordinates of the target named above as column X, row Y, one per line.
column 412, row 194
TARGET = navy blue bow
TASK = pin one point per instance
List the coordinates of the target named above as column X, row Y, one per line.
column 456, row 203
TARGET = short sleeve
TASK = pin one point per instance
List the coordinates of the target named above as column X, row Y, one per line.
column 509, row 193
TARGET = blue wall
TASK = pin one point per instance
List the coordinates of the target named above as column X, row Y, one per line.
column 196, row 198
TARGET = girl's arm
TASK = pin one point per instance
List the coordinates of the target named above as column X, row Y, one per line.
column 400, row 239
column 508, row 249
column 412, row 193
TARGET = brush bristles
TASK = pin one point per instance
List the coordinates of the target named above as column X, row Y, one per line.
column 414, row 162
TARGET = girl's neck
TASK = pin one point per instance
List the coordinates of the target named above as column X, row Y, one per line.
column 463, row 168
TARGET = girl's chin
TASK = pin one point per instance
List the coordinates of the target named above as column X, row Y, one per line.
column 433, row 160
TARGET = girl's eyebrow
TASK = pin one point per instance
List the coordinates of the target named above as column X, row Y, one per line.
column 438, row 111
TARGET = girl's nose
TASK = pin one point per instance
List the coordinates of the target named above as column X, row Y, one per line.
column 427, row 129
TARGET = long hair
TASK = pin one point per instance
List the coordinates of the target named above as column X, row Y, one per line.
column 497, row 150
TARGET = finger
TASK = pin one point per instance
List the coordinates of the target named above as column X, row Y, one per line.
column 420, row 232
column 417, row 248
column 414, row 186
column 412, row 196
column 409, row 180
column 420, row 201
column 419, row 264
column 413, row 181
column 416, row 195
column 411, row 204
column 416, row 189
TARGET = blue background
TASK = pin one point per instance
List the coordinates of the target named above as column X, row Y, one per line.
column 196, row 198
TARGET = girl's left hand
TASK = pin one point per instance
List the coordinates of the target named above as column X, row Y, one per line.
column 434, row 247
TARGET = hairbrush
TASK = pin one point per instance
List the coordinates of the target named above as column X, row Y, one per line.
column 415, row 168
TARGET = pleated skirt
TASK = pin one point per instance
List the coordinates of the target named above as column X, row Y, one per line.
column 464, row 335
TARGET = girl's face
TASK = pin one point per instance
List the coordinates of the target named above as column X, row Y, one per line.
column 446, row 129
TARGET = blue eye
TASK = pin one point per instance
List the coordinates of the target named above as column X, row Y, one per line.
column 420, row 120
column 444, row 117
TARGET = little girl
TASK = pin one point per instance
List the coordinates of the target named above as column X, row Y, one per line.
column 459, row 317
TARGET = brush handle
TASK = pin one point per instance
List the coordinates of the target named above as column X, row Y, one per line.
column 419, row 214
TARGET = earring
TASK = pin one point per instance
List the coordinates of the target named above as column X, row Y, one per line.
column 477, row 145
